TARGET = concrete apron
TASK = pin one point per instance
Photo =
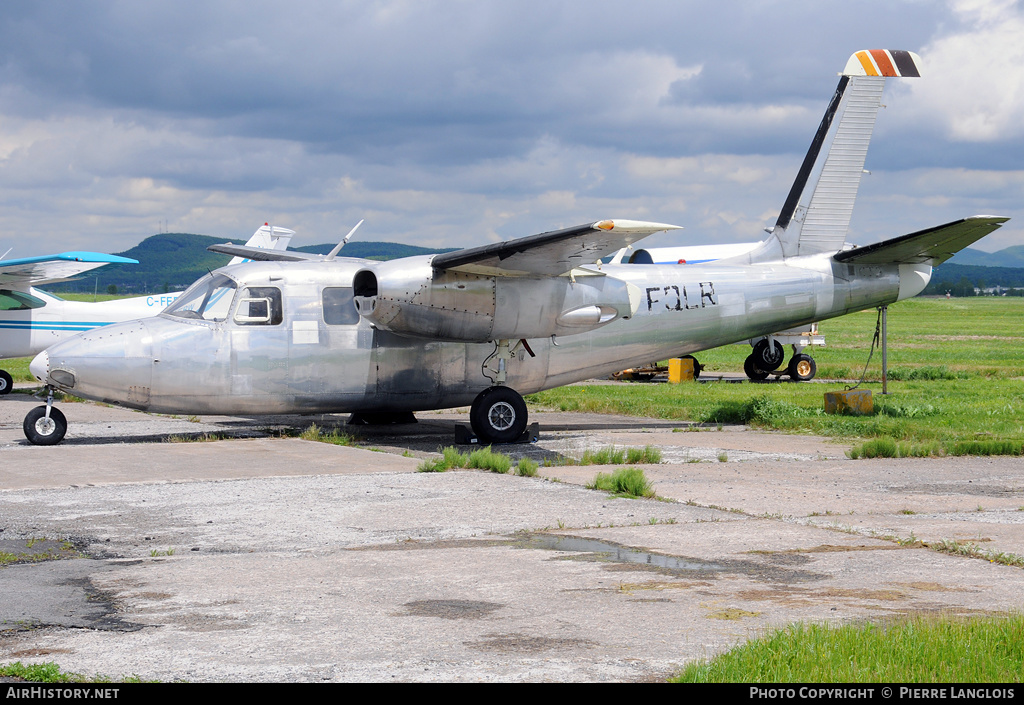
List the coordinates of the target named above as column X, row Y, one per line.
column 275, row 559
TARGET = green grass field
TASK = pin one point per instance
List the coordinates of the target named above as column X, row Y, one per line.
column 960, row 363
column 916, row 650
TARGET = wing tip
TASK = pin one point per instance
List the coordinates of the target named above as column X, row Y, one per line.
column 633, row 226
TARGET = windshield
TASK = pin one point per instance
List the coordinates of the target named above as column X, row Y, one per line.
column 208, row 299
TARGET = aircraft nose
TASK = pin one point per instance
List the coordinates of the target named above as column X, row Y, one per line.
column 40, row 366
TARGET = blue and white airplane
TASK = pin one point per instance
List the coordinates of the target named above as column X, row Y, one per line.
column 32, row 320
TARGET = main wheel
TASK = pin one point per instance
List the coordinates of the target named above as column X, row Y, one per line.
column 802, row 368
column 6, row 382
column 498, row 415
column 697, row 367
column 752, row 370
column 768, row 357
column 43, row 431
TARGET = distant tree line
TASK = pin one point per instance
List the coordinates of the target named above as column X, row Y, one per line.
column 964, row 280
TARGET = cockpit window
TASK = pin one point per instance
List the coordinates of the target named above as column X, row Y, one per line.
column 18, row 301
column 259, row 306
column 209, row 299
column 339, row 309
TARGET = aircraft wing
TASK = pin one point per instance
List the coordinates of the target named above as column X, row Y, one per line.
column 932, row 246
column 552, row 253
column 35, row 271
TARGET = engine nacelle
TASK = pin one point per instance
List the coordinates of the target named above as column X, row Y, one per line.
column 409, row 297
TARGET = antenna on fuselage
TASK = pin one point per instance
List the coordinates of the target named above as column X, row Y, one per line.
column 6, row 253
column 341, row 244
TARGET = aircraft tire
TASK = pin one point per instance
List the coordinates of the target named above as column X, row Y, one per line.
column 498, row 415
column 802, row 368
column 768, row 358
column 42, row 432
column 697, row 367
column 752, row 370
column 6, row 382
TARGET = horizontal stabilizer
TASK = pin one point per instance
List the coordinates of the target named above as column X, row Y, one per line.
column 257, row 253
column 552, row 253
column 47, row 269
column 933, row 246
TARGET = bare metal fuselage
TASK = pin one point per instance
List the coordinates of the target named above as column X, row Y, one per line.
column 303, row 363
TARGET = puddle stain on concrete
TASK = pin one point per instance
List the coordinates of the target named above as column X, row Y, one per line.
column 831, row 548
column 777, row 568
column 450, row 609
column 959, row 487
column 594, row 549
column 733, row 614
column 850, row 597
column 522, row 643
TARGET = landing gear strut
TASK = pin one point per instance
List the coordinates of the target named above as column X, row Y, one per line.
column 498, row 415
column 45, row 425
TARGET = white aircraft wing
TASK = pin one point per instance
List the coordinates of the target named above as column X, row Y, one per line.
column 932, row 246
column 552, row 253
column 47, row 269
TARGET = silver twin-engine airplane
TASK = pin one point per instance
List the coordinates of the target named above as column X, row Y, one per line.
column 296, row 333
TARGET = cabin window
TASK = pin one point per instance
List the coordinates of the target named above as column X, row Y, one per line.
column 339, row 309
column 209, row 299
column 259, row 306
column 18, row 301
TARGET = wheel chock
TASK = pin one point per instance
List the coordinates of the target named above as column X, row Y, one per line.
column 464, row 435
column 856, row 402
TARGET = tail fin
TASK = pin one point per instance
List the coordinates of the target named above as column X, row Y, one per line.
column 816, row 214
column 268, row 237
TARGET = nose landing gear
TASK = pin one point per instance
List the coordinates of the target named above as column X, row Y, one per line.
column 45, row 425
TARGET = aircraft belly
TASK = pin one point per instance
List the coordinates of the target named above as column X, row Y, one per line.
column 415, row 374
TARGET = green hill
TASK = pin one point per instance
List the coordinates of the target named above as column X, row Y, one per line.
column 1007, row 257
column 172, row 261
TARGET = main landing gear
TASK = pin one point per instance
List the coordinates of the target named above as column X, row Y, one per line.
column 45, row 425
column 6, row 383
column 498, row 415
column 766, row 359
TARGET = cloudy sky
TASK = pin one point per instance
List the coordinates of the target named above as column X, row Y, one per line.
column 456, row 123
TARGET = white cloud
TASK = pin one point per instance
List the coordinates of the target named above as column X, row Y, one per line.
column 973, row 77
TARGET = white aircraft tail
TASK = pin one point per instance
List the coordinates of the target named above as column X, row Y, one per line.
column 816, row 214
column 268, row 237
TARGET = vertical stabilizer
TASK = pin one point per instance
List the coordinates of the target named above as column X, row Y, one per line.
column 268, row 237
column 816, row 215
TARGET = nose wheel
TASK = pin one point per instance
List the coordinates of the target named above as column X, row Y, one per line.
column 45, row 430
column 45, row 425
column 498, row 415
